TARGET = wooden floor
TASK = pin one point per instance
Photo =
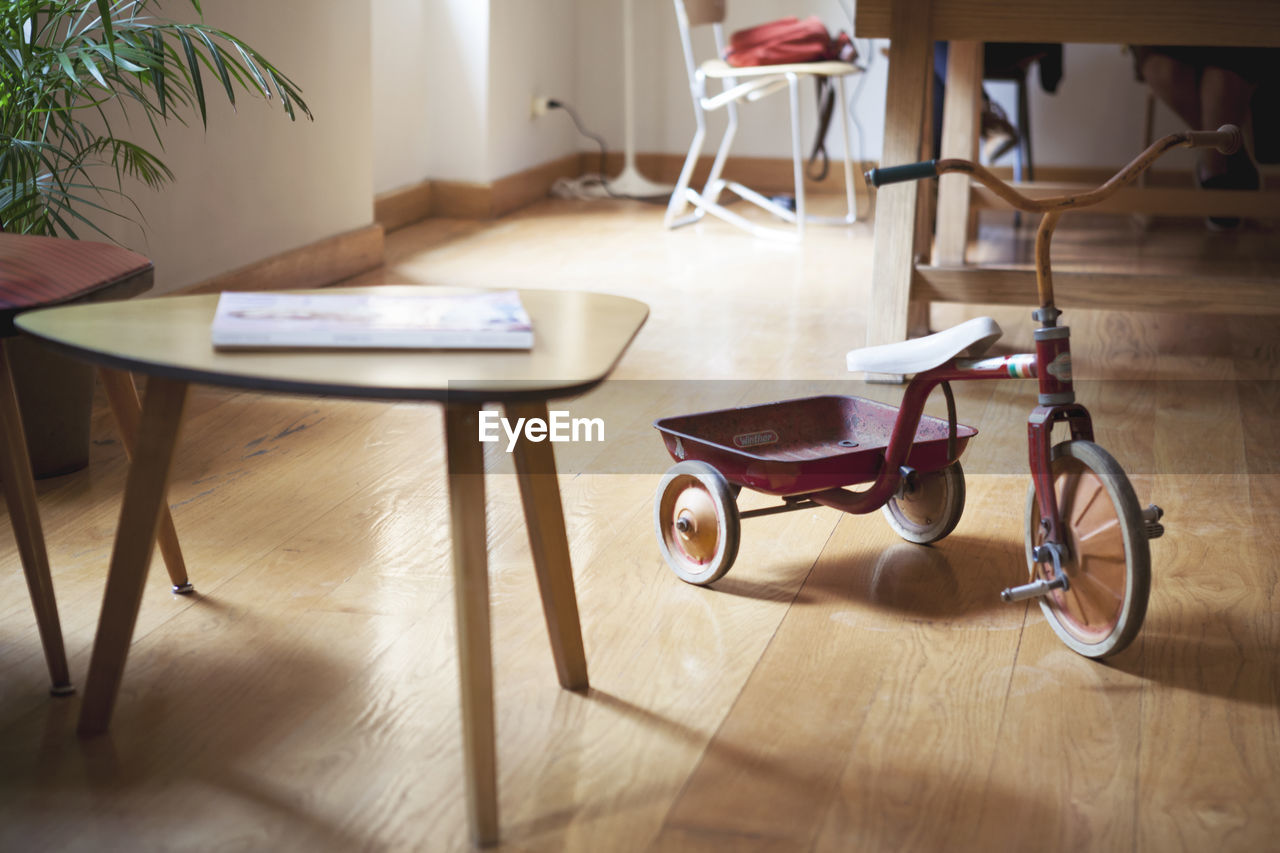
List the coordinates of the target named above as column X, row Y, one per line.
column 838, row 690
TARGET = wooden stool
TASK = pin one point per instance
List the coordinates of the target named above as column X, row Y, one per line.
column 37, row 272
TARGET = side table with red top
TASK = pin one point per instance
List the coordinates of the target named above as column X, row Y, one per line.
column 39, row 272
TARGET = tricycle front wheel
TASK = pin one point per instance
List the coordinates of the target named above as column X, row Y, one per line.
column 929, row 506
column 696, row 521
column 1107, row 559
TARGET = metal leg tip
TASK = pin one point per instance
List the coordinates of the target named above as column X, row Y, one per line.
column 183, row 588
column 62, row 690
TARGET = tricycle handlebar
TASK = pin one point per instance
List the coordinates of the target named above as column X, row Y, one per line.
column 897, row 174
column 1226, row 139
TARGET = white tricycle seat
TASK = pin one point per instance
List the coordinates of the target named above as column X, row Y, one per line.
column 971, row 338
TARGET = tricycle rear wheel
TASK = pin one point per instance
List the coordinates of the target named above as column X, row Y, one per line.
column 696, row 521
column 929, row 505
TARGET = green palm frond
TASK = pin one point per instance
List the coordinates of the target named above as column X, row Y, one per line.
column 68, row 66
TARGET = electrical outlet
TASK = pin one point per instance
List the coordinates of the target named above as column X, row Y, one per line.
column 540, row 106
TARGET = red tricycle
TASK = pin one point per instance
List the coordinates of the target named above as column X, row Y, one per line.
column 1086, row 534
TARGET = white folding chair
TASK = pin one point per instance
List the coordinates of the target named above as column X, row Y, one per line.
column 756, row 82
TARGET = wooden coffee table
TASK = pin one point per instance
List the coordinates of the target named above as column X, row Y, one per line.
column 579, row 338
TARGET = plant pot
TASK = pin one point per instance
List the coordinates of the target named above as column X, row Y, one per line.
column 55, row 396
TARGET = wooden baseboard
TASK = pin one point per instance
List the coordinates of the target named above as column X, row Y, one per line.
column 465, row 200
column 319, row 264
column 404, row 206
column 763, row 174
column 524, row 188
column 479, row 200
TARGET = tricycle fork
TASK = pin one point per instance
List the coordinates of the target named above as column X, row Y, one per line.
column 1054, row 547
column 1040, row 447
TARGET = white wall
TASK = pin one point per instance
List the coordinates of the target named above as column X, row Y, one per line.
column 430, row 78
column 255, row 184
column 453, row 84
column 403, row 47
column 532, row 52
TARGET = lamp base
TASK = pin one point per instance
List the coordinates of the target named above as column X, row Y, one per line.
column 631, row 183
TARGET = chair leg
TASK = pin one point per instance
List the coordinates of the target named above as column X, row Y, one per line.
column 126, row 407
column 715, row 184
column 793, row 84
column 1024, row 128
column 850, row 187
column 19, row 493
column 680, row 194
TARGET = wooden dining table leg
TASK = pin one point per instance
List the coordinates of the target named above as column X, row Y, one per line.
column 144, row 496
column 544, row 516
column 961, row 129
column 910, row 66
column 126, row 408
column 20, row 495
column 465, row 461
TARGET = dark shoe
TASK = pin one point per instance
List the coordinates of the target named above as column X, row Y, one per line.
column 1241, row 174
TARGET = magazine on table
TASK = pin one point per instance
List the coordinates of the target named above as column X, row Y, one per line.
column 478, row 320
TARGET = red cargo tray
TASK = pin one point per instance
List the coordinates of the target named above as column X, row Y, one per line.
column 796, row 447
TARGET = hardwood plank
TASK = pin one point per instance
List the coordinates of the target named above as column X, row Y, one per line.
column 307, row 696
column 1210, row 681
column 841, row 659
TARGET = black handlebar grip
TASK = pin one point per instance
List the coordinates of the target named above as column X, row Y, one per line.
column 1227, row 139
column 897, row 174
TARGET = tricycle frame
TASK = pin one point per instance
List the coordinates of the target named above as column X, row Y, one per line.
column 1077, row 474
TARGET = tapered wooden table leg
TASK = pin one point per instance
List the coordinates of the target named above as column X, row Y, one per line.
column 471, row 600
column 20, row 495
column 144, row 495
column 910, row 64
column 544, row 516
column 122, row 397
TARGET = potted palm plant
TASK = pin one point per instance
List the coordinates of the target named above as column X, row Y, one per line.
column 73, row 72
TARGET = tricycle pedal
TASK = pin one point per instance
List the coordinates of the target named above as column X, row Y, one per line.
column 1151, row 521
column 1035, row 589
column 1047, row 553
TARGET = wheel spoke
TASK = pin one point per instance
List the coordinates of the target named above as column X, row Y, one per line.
column 1088, row 579
column 1107, row 526
column 1093, row 497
